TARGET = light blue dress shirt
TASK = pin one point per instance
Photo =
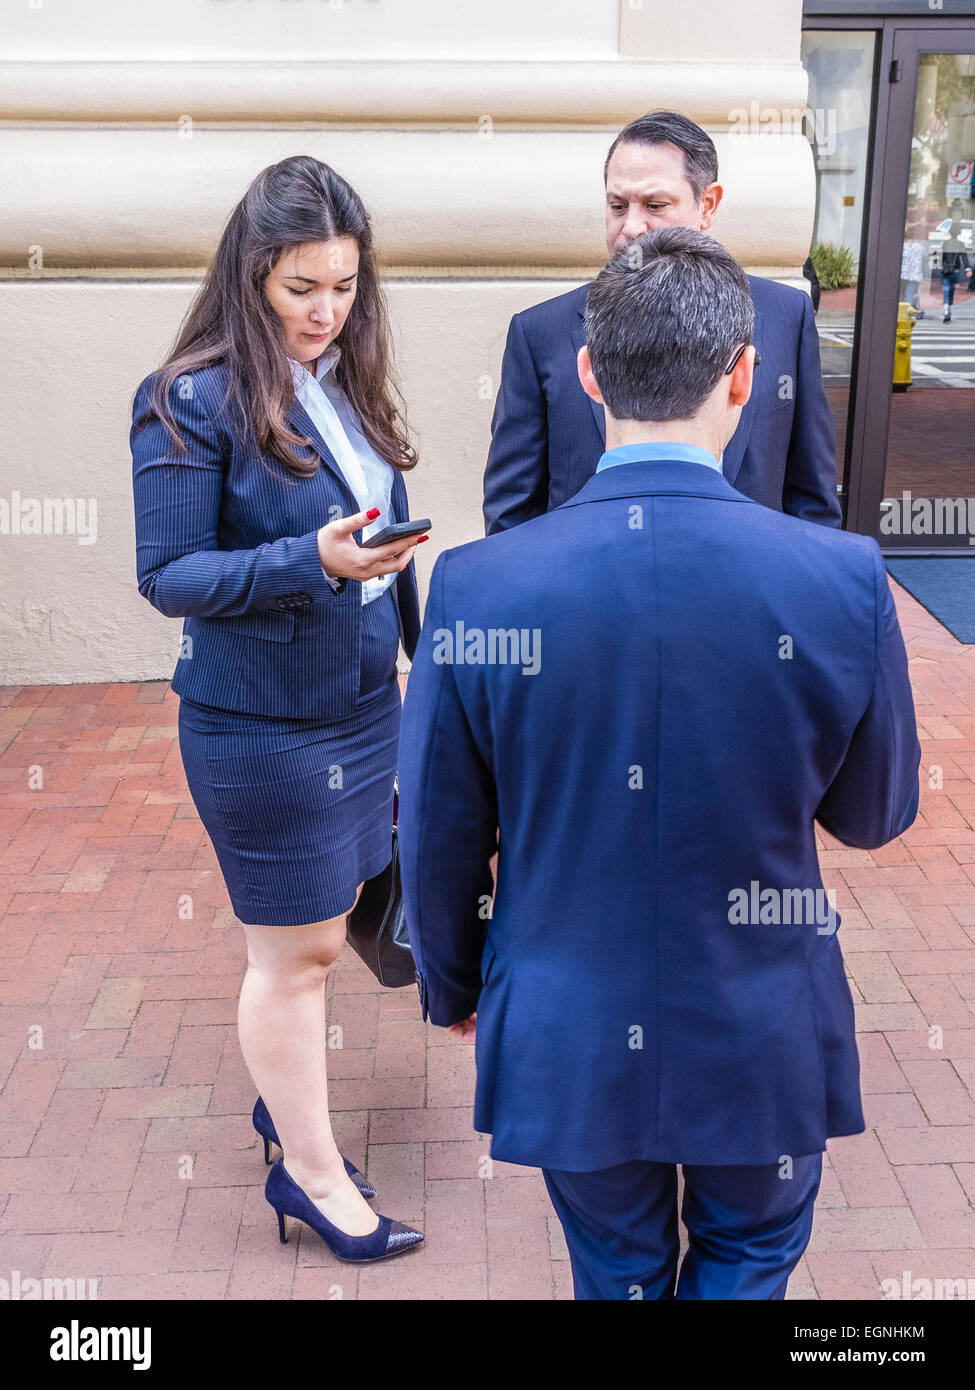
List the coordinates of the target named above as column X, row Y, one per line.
column 369, row 476
column 647, row 453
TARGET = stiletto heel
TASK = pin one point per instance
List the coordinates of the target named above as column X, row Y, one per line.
column 389, row 1238
column 265, row 1128
column 282, row 1233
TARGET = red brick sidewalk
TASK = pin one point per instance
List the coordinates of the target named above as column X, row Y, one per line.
column 126, row 1153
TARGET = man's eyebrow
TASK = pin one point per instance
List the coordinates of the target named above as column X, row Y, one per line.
column 651, row 193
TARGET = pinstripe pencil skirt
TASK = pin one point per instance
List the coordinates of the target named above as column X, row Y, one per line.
column 300, row 811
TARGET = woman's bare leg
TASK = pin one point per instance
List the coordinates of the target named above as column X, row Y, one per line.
column 281, row 1018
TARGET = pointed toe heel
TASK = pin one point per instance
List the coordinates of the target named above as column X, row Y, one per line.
column 264, row 1126
column 287, row 1199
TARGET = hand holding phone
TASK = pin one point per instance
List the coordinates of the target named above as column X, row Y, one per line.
column 400, row 530
column 392, row 549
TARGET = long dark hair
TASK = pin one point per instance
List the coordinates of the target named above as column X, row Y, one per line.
column 296, row 201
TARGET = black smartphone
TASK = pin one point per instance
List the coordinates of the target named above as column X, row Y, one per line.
column 402, row 530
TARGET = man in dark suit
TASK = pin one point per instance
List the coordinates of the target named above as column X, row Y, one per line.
column 652, row 692
column 547, row 435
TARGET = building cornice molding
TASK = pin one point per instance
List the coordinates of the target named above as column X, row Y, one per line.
column 379, row 92
column 91, row 197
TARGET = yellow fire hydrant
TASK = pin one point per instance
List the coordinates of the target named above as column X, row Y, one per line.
column 906, row 316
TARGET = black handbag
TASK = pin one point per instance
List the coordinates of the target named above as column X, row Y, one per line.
column 377, row 930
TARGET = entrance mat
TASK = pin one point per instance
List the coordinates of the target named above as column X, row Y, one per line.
column 945, row 587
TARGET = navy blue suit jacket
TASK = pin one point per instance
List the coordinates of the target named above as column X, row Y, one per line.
column 228, row 539
column 548, row 435
column 712, row 677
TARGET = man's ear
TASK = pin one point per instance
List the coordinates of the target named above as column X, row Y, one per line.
column 740, row 386
column 710, row 200
column 584, row 368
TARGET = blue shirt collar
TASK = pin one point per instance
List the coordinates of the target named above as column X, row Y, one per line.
column 648, row 453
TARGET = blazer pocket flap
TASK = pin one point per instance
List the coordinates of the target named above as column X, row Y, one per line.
column 270, row 624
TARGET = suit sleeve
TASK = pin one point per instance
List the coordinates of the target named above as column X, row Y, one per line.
column 516, row 474
column 182, row 570
column 874, row 796
column 447, row 828
column 810, row 473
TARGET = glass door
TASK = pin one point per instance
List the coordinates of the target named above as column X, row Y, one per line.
column 841, row 66
column 931, row 443
column 914, row 428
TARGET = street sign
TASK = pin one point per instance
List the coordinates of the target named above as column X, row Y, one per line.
column 960, row 177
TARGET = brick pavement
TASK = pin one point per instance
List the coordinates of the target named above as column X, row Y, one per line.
column 126, row 1152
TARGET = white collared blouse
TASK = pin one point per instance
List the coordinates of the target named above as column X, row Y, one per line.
column 369, row 476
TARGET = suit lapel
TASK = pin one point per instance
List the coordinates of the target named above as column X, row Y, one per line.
column 735, row 452
column 578, row 336
column 398, row 500
column 299, row 419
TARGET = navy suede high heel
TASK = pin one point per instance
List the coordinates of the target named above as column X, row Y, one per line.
column 265, row 1128
column 286, row 1197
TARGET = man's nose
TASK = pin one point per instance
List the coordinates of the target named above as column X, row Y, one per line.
column 637, row 222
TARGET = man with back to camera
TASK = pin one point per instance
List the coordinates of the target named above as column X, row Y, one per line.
column 653, row 691
column 547, row 435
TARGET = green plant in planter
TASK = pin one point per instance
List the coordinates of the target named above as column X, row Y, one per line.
column 835, row 265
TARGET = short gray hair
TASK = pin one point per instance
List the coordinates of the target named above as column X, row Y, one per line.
column 664, row 318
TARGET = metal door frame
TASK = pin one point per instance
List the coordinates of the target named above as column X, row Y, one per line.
column 901, row 41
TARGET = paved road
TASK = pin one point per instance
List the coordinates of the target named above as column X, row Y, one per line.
column 943, row 352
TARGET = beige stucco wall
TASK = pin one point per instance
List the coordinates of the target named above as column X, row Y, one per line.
column 77, row 350
column 132, row 130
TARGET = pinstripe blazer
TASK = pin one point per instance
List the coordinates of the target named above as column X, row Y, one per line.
column 228, row 540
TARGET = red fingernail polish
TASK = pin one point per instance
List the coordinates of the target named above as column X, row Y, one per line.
column 372, row 513
column 422, row 539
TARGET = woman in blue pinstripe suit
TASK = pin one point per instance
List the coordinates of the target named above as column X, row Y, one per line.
column 268, row 439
